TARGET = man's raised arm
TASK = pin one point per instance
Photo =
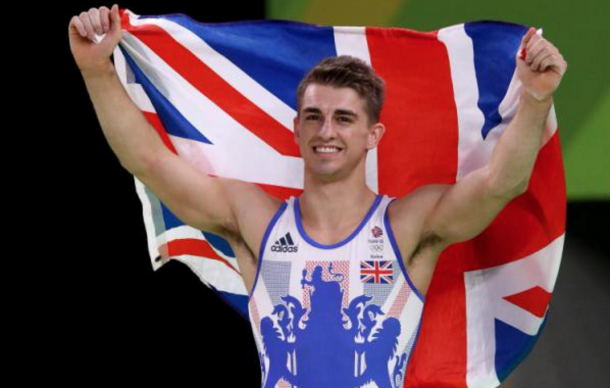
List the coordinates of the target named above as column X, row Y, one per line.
column 127, row 131
column 461, row 211
column 197, row 199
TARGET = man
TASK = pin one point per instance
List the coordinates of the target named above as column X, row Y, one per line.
column 306, row 261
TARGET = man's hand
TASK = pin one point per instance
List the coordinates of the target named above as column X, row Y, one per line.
column 89, row 55
column 540, row 66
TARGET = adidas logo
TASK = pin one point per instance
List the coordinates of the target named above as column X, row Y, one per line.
column 285, row 244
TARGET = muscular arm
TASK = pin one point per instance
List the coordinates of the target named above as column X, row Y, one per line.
column 207, row 203
column 130, row 136
column 197, row 199
column 459, row 212
column 229, row 207
column 463, row 210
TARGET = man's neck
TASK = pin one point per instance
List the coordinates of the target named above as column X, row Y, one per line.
column 336, row 205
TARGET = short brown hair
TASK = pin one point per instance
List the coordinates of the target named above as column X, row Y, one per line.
column 352, row 72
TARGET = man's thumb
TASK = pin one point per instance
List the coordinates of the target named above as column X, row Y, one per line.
column 116, row 19
column 115, row 26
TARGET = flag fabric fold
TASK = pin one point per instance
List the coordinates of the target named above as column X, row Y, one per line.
column 222, row 96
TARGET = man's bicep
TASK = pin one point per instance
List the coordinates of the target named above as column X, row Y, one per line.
column 463, row 210
column 197, row 199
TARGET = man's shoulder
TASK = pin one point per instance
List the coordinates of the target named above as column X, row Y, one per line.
column 408, row 213
column 252, row 207
column 419, row 200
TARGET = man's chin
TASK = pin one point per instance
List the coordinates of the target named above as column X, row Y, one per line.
column 326, row 173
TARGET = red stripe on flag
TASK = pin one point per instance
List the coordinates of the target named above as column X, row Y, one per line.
column 154, row 120
column 417, row 147
column 208, row 83
column 535, row 300
column 194, row 247
column 442, row 341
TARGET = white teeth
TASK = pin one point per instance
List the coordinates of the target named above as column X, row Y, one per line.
column 326, row 149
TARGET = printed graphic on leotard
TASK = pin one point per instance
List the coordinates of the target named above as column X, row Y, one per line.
column 334, row 316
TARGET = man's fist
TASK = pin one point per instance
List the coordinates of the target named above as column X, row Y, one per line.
column 91, row 56
column 540, row 65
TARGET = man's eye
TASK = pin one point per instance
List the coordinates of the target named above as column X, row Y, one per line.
column 315, row 117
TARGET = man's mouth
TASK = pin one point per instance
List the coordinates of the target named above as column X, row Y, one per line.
column 326, row 149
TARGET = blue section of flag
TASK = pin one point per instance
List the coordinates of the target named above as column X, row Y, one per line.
column 219, row 243
column 495, row 46
column 278, row 45
column 512, row 346
column 170, row 220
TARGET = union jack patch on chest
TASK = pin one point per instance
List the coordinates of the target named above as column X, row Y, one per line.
column 376, row 271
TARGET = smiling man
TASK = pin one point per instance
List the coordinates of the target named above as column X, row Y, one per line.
column 337, row 276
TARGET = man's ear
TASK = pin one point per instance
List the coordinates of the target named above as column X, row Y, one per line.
column 375, row 134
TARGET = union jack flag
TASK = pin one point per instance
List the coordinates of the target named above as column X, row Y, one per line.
column 222, row 96
column 376, row 271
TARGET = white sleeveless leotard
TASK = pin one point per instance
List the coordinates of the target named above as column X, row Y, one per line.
column 333, row 316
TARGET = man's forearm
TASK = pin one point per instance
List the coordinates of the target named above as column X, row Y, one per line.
column 514, row 156
column 131, row 137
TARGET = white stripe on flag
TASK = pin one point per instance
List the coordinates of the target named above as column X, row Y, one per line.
column 473, row 151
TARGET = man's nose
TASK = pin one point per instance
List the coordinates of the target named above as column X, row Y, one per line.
column 327, row 129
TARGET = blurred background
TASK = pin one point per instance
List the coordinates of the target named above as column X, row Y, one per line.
column 164, row 320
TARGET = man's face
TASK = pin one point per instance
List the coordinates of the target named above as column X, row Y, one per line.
column 334, row 117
